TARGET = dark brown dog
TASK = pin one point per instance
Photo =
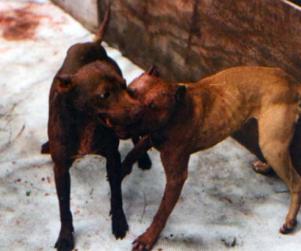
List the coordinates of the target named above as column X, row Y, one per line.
column 181, row 119
column 87, row 86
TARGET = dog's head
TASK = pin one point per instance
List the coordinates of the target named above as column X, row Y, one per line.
column 98, row 90
column 158, row 101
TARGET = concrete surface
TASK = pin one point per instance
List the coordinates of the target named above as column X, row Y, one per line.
column 224, row 205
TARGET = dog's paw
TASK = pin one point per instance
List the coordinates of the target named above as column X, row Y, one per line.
column 288, row 227
column 119, row 224
column 144, row 162
column 65, row 243
column 261, row 167
column 143, row 243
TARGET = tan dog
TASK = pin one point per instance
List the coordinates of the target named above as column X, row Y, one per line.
column 181, row 119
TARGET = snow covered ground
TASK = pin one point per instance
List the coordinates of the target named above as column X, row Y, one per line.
column 224, row 205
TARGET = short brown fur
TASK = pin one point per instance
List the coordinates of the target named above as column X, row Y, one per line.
column 88, row 85
column 180, row 119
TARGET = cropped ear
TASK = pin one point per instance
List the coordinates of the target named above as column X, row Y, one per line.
column 180, row 93
column 65, row 83
column 153, row 71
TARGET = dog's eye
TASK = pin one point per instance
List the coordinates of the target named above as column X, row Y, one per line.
column 104, row 95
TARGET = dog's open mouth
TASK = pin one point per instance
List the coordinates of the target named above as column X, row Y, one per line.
column 120, row 131
column 108, row 122
column 123, row 131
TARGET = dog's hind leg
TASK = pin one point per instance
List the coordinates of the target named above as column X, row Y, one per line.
column 276, row 127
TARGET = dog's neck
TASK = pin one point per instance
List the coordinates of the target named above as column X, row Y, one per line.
column 182, row 108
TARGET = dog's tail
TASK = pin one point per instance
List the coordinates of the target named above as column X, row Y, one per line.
column 103, row 27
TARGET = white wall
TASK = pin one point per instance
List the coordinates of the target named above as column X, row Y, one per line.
column 85, row 11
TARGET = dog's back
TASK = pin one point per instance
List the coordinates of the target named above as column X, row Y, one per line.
column 251, row 86
column 229, row 98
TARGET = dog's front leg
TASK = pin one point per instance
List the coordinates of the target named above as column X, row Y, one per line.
column 65, row 240
column 140, row 149
column 175, row 166
column 144, row 161
column 119, row 222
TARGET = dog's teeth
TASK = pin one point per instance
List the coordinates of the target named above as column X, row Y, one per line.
column 108, row 122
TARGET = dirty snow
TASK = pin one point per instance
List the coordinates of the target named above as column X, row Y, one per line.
column 224, row 204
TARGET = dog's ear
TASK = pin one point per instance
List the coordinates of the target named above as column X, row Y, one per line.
column 65, row 83
column 153, row 71
column 180, row 93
